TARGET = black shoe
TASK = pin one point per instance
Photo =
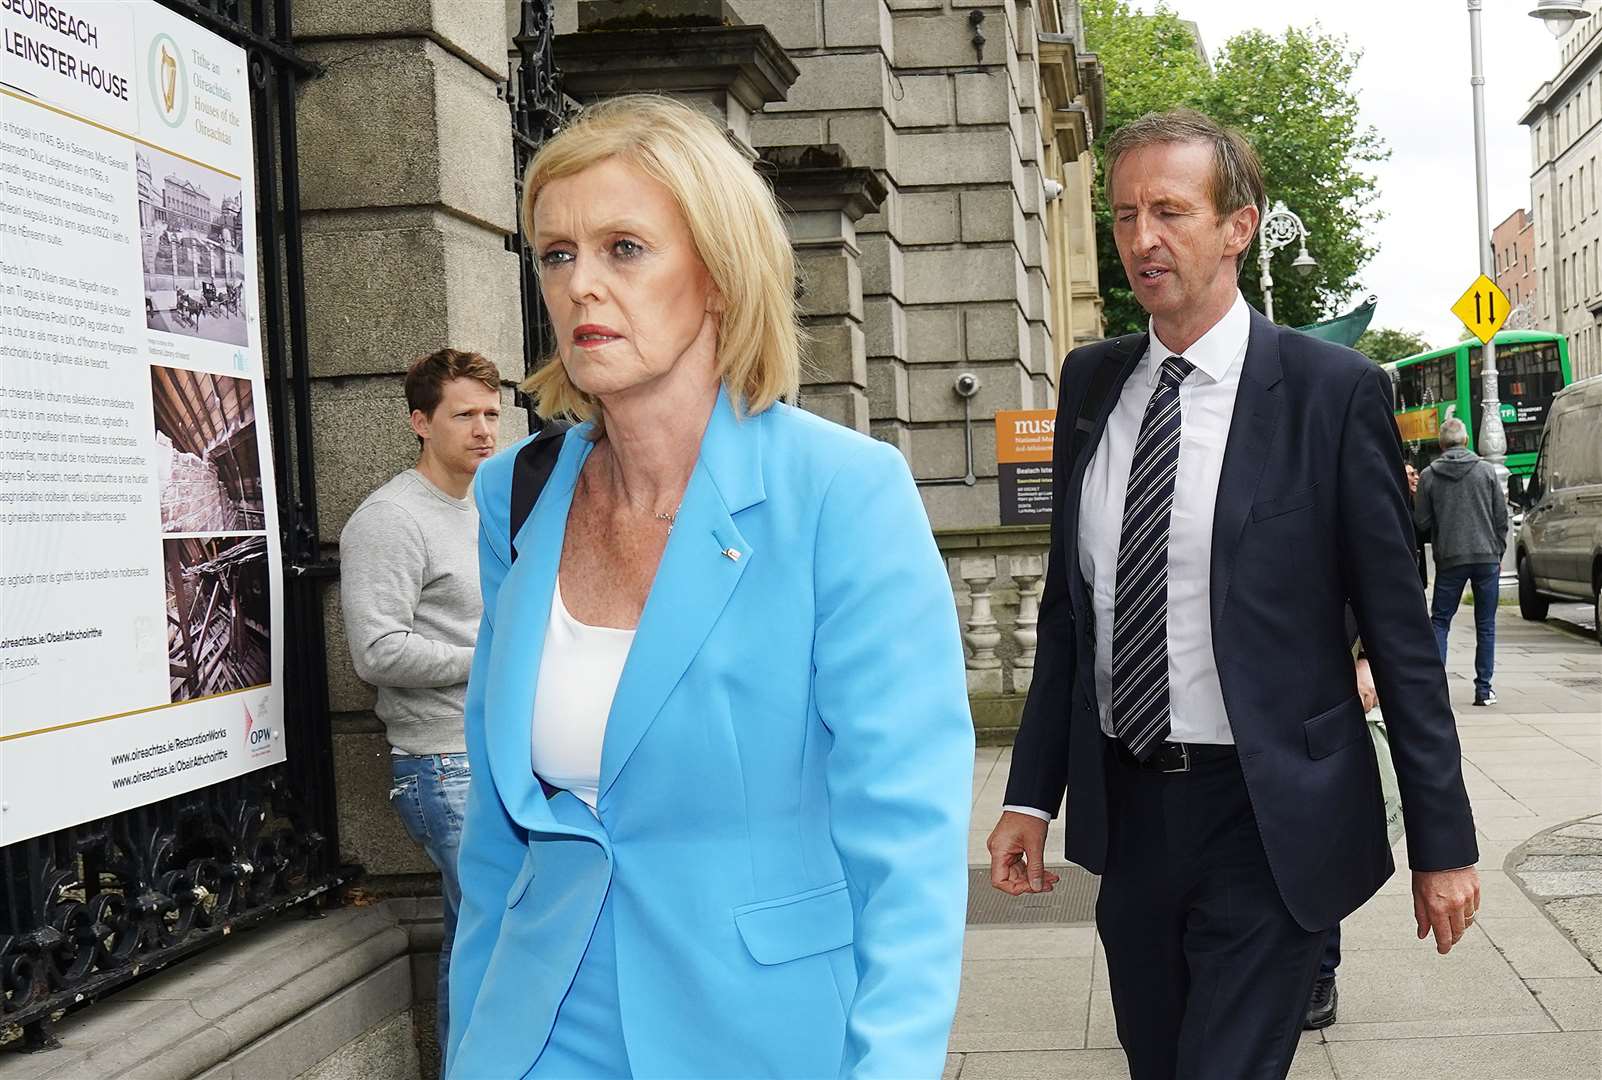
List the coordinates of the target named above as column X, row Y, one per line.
column 1488, row 699
column 1321, row 1009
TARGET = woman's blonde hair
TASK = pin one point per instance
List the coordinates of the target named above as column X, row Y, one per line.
column 733, row 219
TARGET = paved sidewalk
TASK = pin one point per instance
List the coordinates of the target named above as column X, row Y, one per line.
column 1517, row 1000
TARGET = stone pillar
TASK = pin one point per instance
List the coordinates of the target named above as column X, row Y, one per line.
column 846, row 96
column 824, row 197
column 1027, row 572
column 978, row 572
column 407, row 208
column 623, row 46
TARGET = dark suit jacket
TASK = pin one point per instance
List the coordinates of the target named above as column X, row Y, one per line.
column 1311, row 515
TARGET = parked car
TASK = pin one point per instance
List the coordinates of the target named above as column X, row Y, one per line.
column 1559, row 545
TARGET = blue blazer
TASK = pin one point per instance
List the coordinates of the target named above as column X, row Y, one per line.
column 1311, row 518
column 785, row 777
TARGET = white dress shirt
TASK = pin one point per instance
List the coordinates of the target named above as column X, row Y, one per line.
column 579, row 672
column 1206, row 405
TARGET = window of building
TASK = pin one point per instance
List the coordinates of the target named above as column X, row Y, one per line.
column 1546, row 292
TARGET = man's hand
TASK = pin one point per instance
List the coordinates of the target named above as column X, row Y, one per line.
column 1445, row 901
column 1018, row 854
column 1365, row 686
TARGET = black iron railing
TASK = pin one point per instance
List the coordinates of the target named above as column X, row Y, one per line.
column 538, row 107
column 87, row 909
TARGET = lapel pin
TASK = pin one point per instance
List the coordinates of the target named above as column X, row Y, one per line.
column 732, row 554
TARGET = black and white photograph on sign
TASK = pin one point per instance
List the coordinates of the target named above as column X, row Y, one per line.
column 207, row 464
column 193, row 248
column 217, row 614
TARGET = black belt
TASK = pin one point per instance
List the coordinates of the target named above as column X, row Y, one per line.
column 1174, row 757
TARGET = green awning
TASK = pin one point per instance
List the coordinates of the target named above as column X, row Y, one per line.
column 1344, row 329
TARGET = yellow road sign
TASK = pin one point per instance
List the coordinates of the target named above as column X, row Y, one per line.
column 1483, row 308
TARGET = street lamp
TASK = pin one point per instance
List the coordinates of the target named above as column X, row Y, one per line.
column 1493, row 439
column 1559, row 15
column 1277, row 229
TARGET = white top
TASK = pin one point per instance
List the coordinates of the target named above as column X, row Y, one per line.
column 579, row 671
column 1206, row 405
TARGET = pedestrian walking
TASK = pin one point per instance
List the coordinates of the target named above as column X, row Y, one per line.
column 1193, row 689
column 1420, row 537
column 718, row 717
column 409, row 589
column 1322, row 1006
column 1461, row 506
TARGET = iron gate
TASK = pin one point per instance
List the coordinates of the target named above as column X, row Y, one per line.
column 87, row 909
column 538, row 106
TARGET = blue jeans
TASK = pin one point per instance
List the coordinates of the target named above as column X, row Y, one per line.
column 430, row 794
column 1486, row 579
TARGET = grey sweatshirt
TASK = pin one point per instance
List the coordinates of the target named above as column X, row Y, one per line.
column 1461, row 506
column 409, row 587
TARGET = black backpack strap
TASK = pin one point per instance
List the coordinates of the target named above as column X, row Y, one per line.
column 530, row 471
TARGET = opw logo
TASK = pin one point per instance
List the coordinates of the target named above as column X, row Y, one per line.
column 258, row 736
column 168, row 80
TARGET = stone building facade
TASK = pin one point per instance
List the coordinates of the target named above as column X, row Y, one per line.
column 1513, row 242
column 934, row 161
column 1564, row 116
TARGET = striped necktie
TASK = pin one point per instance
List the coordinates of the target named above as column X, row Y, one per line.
column 1140, row 598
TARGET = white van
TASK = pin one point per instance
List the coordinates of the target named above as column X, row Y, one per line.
column 1559, row 546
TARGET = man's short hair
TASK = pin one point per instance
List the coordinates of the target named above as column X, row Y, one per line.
column 1454, row 433
column 1237, row 180
column 426, row 378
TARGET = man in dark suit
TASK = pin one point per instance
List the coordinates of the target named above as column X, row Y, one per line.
column 1234, row 488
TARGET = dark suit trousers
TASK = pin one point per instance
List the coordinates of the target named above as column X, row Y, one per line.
column 1210, row 974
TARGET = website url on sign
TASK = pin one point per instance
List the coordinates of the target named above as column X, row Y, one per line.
column 156, row 772
column 171, row 746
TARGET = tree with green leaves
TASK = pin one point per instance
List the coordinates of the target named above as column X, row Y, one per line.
column 1292, row 96
column 1384, row 345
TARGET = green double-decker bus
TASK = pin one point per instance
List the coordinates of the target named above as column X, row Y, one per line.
column 1433, row 386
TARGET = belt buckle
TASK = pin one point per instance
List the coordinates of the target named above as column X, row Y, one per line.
column 1184, row 760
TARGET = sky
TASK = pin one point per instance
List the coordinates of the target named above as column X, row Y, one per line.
column 1413, row 88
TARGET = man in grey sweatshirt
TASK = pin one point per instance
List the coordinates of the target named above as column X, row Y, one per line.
column 1461, row 507
column 410, row 592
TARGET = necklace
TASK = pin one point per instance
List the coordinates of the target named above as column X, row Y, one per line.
column 671, row 518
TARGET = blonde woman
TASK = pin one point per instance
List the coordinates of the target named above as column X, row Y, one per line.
column 717, row 719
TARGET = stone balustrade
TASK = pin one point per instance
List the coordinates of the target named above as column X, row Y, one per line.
column 997, row 574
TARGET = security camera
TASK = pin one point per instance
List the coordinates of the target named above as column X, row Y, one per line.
column 967, row 384
column 1053, row 189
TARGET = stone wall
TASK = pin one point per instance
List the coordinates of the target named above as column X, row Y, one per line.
column 407, row 207
column 950, row 263
column 193, row 499
column 966, row 264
